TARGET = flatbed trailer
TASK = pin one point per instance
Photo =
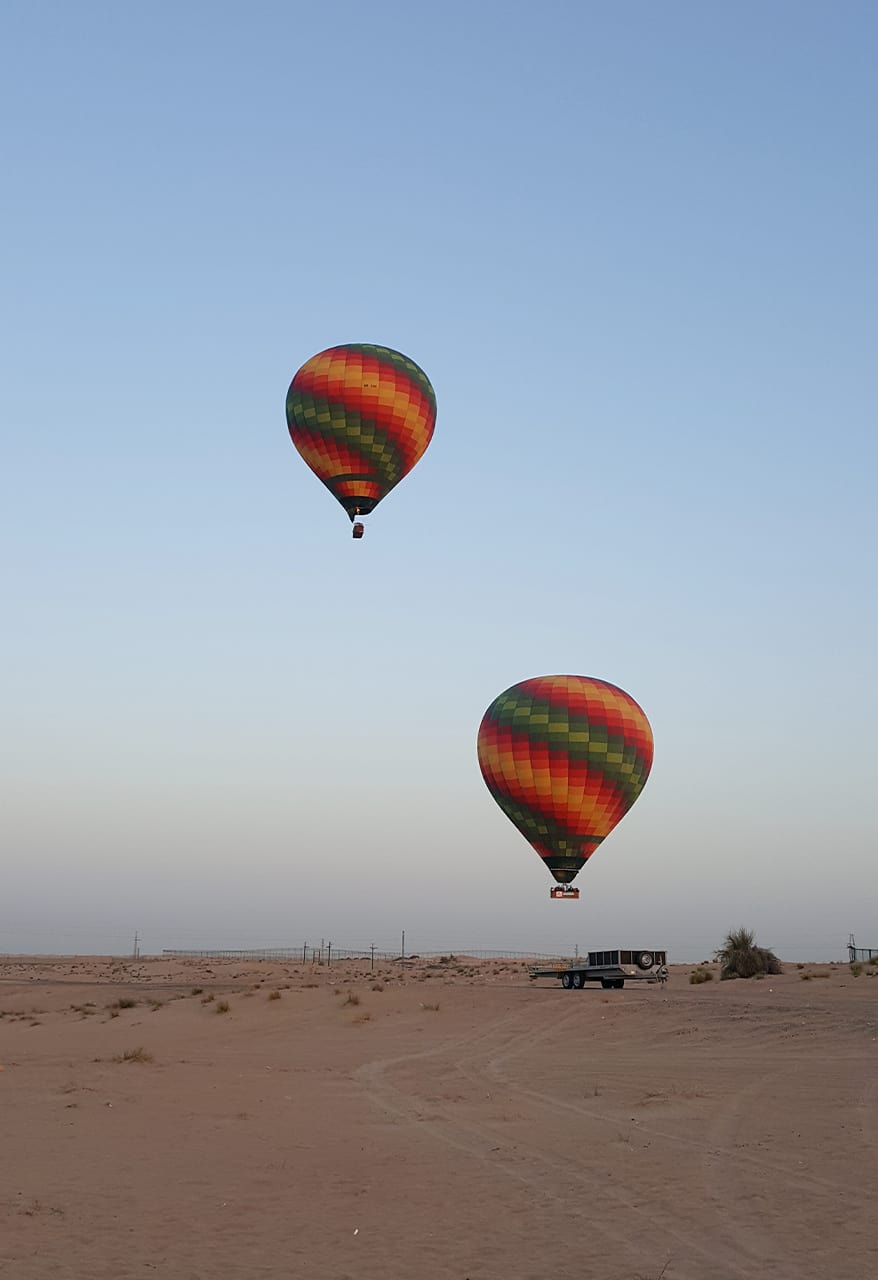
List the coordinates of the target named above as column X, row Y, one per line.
column 612, row 969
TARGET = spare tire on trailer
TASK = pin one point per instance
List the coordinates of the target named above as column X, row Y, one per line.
column 645, row 960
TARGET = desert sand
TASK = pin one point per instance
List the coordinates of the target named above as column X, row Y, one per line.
column 433, row 1120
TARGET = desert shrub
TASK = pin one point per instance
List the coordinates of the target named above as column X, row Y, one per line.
column 697, row 976
column 222, row 1007
column 126, row 1002
column 377, row 986
column 274, row 995
column 740, row 957
column 433, row 1008
column 856, row 968
column 208, row 998
column 196, row 991
column 351, row 998
column 134, row 1055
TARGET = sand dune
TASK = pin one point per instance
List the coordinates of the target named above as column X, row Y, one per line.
column 452, row 1121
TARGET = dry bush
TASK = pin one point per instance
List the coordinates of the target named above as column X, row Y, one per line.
column 222, row 1007
column 126, row 1002
column 196, row 991
column 134, row 1055
column 697, row 976
column 377, row 986
column 351, row 998
column 208, row 998
column 740, row 957
column 273, row 995
column 433, row 1008
column 856, row 968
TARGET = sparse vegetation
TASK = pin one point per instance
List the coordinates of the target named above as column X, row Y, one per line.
column 432, row 1007
column 740, row 957
column 124, row 1002
column 273, row 995
column 208, row 998
column 196, row 991
column 856, row 968
column 377, row 986
column 134, row 1055
column 351, row 998
column 222, row 1006
column 697, row 976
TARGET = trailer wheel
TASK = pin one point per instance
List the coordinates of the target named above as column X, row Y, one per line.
column 645, row 960
column 566, row 981
column 606, row 983
column 578, row 981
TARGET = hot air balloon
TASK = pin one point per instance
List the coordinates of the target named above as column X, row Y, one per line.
column 361, row 416
column 565, row 757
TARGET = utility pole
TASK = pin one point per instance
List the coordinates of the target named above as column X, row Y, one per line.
column 328, row 954
column 372, row 959
column 136, row 953
column 402, row 951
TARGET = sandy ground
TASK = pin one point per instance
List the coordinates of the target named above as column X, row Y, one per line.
column 455, row 1121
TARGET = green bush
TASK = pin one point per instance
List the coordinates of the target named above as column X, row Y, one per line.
column 740, row 957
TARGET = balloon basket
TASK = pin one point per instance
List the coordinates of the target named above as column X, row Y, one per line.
column 357, row 531
column 564, row 893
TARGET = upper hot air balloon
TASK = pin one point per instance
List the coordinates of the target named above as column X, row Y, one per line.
column 361, row 416
column 565, row 757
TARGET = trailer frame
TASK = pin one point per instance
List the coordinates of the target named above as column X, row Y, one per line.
column 612, row 969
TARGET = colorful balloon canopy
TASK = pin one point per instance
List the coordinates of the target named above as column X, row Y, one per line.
column 361, row 417
column 565, row 757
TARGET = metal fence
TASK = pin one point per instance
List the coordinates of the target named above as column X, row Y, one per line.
column 856, row 953
column 329, row 953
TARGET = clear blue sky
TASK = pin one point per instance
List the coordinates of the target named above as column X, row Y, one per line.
column 633, row 246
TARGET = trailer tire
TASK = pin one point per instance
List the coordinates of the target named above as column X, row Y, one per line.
column 578, row 981
column 645, row 960
column 566, row 981
column 606, row 983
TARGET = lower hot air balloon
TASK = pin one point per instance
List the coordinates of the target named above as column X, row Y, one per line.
column 361, row 416
column 565, row 757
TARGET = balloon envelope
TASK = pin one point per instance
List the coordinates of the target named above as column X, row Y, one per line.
column 565, row 757
column 361, row 416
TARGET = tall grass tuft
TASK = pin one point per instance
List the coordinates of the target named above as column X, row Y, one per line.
column 740, row 957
